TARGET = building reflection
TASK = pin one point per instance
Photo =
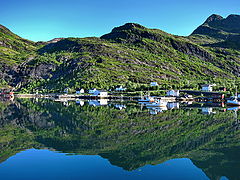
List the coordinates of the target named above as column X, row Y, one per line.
column 208, row 110
column 100, row 102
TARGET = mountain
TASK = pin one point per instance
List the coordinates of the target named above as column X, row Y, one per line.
column 130, row 55
column 14, row 50
column 224, row 31
column 220, row 27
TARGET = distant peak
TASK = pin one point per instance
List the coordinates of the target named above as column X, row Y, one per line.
column 55, row 40
column 3, row 27
column 128, row 32
column 128, row 26
column 5, row 30
column 132, row 25
column 213, row 17
column 233, row 16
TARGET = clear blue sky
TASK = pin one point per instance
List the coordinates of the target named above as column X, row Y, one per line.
column 46, row 19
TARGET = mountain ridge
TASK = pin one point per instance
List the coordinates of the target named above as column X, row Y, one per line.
column 220, row 28
column 131, row 55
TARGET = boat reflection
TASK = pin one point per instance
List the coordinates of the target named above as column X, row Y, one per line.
column 173, row 105
column 154, row 108
column 208, row 110
column 157, row 110
column 80, row 102
column 100, row 102
column 233, row 108
column 120, row 106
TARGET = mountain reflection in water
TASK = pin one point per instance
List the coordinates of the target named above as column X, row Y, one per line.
column 127, row 134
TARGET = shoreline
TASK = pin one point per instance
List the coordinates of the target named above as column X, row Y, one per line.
column 74, row 96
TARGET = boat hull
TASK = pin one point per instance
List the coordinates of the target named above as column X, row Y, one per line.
column 145, row 100
column 156, row 105
column 233, row 103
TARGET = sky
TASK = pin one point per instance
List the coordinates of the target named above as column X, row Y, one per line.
column 43, row 20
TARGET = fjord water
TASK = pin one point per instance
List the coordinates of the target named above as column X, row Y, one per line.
column 43, row 139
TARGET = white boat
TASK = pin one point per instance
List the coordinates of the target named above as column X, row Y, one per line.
column 157, row 103
column 233, row 101
column 146, row 99
column 233, row 108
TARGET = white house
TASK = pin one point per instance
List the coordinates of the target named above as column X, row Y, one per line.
column 79, row 91
column 102, row 93
column 93, row 91
column 153, row 84
column 99, row 93
column 173, row 93
column 208, row 87
column 66, row 90
column 120, row 89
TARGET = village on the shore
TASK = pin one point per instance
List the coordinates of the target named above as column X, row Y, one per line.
column 207, row 93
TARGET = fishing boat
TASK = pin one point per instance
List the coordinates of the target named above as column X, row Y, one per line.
column 157, row 103
column 8, row 95
column 233, row 108
column 233, row 101
column 146, row 99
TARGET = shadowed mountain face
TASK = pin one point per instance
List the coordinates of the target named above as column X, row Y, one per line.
column 225, row 31
column 222, row 162
column 216, row 23
column 129, row 55
column 129, row 138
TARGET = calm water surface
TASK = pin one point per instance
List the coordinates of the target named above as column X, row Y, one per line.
column 43, row 139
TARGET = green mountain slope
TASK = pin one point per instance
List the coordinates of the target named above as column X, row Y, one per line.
column 14, row 50
column 131, row 55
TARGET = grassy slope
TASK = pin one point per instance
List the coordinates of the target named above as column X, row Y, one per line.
column 105, row 63
column 138, row 56
column 13, row 49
